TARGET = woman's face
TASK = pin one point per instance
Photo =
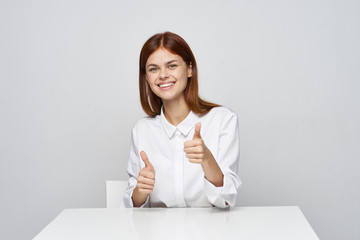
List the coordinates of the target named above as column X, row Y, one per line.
column 167, row 74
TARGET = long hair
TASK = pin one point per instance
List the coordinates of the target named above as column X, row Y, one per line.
column 172, row 42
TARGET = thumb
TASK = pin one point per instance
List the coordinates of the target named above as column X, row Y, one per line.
column 145, row 159
column 197, row 131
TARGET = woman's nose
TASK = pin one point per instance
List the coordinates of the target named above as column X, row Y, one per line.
column 163, row 73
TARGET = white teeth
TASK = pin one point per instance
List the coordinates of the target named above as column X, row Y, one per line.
column 166, row 85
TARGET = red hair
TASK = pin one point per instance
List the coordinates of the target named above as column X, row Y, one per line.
column 172, row 42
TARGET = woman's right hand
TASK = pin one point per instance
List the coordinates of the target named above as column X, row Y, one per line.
column 146, row 178
column 145, row 182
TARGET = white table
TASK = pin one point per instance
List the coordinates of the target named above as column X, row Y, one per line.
column 278, row 223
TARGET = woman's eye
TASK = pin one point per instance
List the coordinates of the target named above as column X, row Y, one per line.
column 172, row 66
column 152, row 69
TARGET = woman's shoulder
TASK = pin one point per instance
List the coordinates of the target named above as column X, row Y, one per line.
column 222, row 111
column 146, row 122
column 223, row 117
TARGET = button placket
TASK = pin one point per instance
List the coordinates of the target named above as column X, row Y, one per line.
column 179, row 172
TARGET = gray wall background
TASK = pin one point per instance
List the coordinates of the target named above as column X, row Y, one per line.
column 69, row 98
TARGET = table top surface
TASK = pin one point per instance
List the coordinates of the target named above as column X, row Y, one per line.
column 180, row 223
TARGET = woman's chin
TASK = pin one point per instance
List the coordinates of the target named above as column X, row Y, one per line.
column 170, row 97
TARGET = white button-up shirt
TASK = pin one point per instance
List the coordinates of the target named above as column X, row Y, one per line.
column 178, row 182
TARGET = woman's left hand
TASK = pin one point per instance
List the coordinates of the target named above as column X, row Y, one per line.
column 196, row 150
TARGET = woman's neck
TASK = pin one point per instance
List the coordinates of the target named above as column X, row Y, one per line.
column 176, row 111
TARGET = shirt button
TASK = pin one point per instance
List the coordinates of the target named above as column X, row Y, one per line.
column 178, row 133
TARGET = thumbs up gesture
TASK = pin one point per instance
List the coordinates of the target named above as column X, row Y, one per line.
column 196, row 150
column 146, row 178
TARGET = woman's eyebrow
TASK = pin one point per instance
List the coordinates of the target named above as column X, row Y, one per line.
column 155, row 65
column 170, row 62
column 151, row 65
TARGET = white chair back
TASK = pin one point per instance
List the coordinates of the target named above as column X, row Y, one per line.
column 115, row 191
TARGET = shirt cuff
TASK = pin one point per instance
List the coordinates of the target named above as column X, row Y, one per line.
column 214, row 194
column 224, row 196
column 127, row 199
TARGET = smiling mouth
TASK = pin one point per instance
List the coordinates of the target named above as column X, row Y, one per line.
column 165, row 85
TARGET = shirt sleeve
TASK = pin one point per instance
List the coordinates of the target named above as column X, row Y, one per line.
column 133, row 171
column 228, row 159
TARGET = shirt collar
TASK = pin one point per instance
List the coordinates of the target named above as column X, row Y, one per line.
column 184, row 127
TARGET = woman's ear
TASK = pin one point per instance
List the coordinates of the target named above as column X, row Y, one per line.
column 190, row 70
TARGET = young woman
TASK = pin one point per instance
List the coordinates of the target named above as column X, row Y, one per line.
column 186, row 152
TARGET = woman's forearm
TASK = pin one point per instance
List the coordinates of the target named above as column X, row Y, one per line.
column 212, row 171
column 138, row 198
